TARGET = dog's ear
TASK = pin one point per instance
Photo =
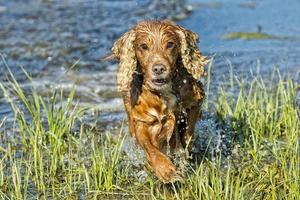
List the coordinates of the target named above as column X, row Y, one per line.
column 191, row 56
column 123, row 50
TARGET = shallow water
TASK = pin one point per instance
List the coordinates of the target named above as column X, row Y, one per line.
column 246, row 58
column 46, row 38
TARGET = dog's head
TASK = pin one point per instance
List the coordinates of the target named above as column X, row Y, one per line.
column 153, row 50
column 156, row 48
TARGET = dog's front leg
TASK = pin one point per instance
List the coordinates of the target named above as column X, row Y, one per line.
column 158, row 162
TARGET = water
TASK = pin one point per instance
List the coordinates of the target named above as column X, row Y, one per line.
column 213, row 19
column 46, row 38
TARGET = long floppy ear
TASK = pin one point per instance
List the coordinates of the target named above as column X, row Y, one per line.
column 123, row 49
column 191, row 56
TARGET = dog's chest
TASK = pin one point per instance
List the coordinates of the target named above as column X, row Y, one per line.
column 159, row 107
column 163, row 108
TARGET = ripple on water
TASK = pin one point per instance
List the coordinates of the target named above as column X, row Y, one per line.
column 51, row 36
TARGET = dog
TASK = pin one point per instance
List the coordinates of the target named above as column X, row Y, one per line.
column 158, row 77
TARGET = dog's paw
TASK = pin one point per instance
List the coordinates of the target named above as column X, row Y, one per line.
column 163, row 168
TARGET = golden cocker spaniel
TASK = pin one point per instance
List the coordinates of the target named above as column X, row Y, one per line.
column 159, row 70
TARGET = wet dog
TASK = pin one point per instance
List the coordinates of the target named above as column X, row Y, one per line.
column 159, row 70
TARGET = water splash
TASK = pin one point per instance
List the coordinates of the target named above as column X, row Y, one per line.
column 136, row 157
column 213, row 137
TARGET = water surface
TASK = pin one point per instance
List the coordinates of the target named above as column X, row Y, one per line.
column 47, row 38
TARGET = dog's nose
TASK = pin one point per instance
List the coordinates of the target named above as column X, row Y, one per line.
column 159, row 69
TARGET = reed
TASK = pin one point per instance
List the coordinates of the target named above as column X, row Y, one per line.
column 52, row 155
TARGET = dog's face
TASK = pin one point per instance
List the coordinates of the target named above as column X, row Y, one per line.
column 157, row 49
column 153, row 49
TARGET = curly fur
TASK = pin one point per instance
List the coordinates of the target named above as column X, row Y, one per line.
column 158, row 76
column 123, row 49
column 192, row 58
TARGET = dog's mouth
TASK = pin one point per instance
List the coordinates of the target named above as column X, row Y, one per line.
column 160, row 81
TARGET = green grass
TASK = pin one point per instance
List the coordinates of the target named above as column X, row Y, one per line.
column 52, row 155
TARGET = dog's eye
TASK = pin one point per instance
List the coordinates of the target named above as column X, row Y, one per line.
column 170, row 45
column 144, row 46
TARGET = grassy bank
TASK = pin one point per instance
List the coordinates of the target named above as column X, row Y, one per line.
column 52, row 155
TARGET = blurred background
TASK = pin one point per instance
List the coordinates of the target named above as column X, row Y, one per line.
column 61, row 42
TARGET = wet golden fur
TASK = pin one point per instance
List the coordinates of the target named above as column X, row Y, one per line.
column 158, row 77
